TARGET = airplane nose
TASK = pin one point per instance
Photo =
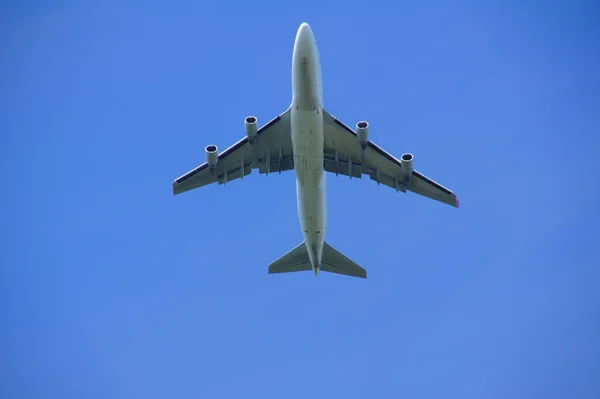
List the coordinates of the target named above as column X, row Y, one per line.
column 304, row 37
column 304, row 28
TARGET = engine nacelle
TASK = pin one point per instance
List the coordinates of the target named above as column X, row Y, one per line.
column 362, row 131
column 406, row 160
column 251, row 125
column 212, row 155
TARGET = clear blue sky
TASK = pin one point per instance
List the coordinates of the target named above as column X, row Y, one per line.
column 111, row 287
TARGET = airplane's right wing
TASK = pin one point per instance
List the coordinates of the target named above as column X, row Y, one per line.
column 345, row 155
column 270, row 151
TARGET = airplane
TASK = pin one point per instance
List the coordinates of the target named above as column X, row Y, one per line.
column 308, row 139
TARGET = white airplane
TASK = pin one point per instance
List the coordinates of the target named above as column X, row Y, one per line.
column 311, row 141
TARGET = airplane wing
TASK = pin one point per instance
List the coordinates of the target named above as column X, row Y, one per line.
column 270, row 151
column 345, row 155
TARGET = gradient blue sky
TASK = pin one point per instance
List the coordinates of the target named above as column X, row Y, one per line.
column 111, row 287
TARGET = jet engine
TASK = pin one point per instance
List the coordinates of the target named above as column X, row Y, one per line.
column 406, row 160
column 212, row 155
column 251, row 125
column 362, row 131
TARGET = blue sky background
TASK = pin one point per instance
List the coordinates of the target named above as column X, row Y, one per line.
column 111, row 287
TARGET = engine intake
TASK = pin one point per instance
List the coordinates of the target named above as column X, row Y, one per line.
column 362, row 131
column 212, row 155
column 251, row 125
column 406, row 160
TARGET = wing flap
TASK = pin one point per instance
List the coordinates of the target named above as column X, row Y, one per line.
column 234, row 173
column 385, row 179
column 342, row 167
column 275, row 165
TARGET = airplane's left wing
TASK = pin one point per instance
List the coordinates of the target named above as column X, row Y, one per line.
column 353, row 154
column 268, row 149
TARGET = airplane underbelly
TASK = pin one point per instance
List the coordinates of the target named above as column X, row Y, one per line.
column 307, row 140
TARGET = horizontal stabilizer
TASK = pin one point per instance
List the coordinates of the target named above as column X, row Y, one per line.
column 296, row 260
column 333, row 261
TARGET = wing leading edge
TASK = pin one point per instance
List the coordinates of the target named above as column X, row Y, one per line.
column 345, row 155
column 271, row 151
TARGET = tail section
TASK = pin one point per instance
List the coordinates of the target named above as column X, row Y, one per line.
column 296, row 260
column 333, row 261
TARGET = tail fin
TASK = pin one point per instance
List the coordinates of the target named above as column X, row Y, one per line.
column 333, row 261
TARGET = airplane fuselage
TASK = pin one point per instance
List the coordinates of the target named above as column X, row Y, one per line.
column 307, row 141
